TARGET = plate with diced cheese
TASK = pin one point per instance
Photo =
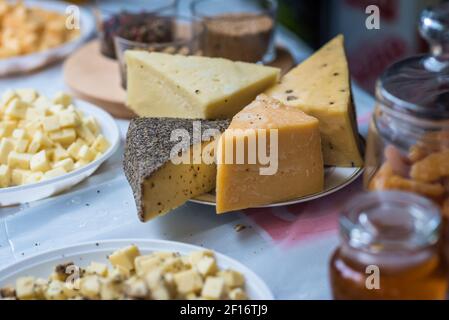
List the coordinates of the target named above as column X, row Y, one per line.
column 131, row 269
column 39, row 32
column 49, row 144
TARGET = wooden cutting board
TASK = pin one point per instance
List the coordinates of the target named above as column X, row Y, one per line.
column 96, row 78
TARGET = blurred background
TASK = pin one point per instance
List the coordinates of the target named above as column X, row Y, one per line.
column 369, row 51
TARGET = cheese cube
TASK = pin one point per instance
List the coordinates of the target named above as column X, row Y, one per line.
column 51, row 123
column 27, row 95
column 55, row 109
column 90, row 287
column 7, row 97
column 74, row 148
column 16, row 109
column 97, row 268
column 33, row 177
column 100, row 144
column 232, row 278
column 56, row 172
column 19, row 160
column 30, row 115
column 32, row 127
column 67, row 164
column 85, row 134
column 173, row 265
column 98, row 155
column 21, row 145
column 135, row 288
column 188, row 281
column 110, row 290
column 55, row 290
column 40, row 287
column 64, row 136
column 146, row 264
column 6, row 146
column 91, row 123
column 59, row 153
column 238, row 294
column 42, row 103
column 87, row 154
column 207, row 266
column 39, row 141
column 196, row 256
column 68, row 119
column 39, row 162
column 18, row 176
column 63, row 99
column 160, row 292
column 25, row 288
column 19, row 134
column 80, row 164
column 5, row 176
column 213, row 289
column 125, row 257
column 7, row 127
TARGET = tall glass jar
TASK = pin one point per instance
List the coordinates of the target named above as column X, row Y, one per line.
column 389, row 249
column 408, row 142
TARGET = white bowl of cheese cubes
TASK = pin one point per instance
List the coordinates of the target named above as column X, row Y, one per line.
column 49, row 144
column 131, row 269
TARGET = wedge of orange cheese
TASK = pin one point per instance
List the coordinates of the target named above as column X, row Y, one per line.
column 320, row 87
column 286, row 162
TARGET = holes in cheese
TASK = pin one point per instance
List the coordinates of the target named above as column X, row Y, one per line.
column 164, row 85
column 320, row 87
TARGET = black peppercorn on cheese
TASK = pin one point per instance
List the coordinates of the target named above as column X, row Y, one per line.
column 169, row 161
column 321, row 87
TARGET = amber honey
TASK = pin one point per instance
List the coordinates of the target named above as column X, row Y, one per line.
column 425, row 280
column 390, row 250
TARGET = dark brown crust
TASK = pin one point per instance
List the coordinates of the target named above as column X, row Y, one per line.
column 148, row 148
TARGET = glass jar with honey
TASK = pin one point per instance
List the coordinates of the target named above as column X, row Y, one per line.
column 408, row 141
column 389, row 249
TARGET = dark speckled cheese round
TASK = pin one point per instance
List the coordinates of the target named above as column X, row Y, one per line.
column 148, row 147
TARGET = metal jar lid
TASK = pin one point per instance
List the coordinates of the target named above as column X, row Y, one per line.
column 419, row 86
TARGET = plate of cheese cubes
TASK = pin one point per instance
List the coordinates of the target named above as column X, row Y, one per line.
column 131, row 269
column 49, row 144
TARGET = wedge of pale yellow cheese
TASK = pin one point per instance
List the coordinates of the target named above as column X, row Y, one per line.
column 294, row 167
column 164, row 85
column 320, row 86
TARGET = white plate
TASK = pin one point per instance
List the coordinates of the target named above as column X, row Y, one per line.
column 44, row 189
column 29, row 62
column 42, row 265
column 335, row 178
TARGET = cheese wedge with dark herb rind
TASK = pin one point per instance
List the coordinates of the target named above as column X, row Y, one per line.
column 159, row 185
column 321, row 87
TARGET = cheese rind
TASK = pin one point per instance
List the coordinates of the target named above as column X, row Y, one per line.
column 320, row 87
column 298, row 161
column 158, row 183
column 164, row 85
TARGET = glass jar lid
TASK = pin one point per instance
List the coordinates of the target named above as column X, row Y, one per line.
column 390, row 222
column 419, row 86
